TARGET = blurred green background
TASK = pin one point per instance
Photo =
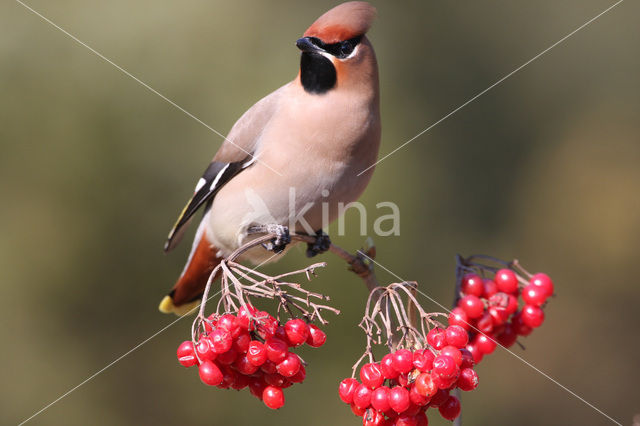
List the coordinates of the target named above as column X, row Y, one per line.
column 94, row 169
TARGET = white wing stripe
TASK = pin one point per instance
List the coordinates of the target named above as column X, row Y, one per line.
column 250, row 162
column 218, row 176
column 200, row 184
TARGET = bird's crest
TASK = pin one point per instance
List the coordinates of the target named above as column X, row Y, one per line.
column 343, row 22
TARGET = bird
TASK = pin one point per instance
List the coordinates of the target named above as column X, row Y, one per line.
column 311, row 137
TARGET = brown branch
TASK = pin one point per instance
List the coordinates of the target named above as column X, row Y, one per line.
column 385, row 313
column 359, row 263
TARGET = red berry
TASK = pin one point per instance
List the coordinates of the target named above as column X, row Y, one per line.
column 422, row 419
column 534, row 295
column 437, row 338
column 472, row 305
column 297, row 331
column 241, row 343
column 412, row 410
column 532, row 316
column 243, row 366
column 227, row 358
column 512, row 305
column 467, row 359
column 519, row 326
column 450, row 409
column 210, row 374
column 256, row 353
column 204, row 349
column 299, row 376
column 459, row 317
column 346, row 389
column 399, row 399
column 380, row 399
column 186, row 354
column 268, row 367
column 475, row 353
column 423, row 360
column 373, row 417
column 279, row 333
column 403, row 379
column 273, row 397
column 485, row 343
column 243, row 319
column 316, row 337
column 221, row 340
column 256, row 386
column 499, row 299
column 425, row 385
column 417, row 398
column 543, row 281
column 241, row 382
column 468, row 379
column 357, row 410
column 387, row 368
column 472, row 284
column 275, row 379
column 290, row 365
column 439, row 398
column 498, row 315
column 498, row 330
column 228, row 322
column 406, row 420
column 507, row 281
column 490, row 288
column 371, row 375
column 508, row 336
column 445, row 366
column 454, row 353
column 228, row 377
column 403, row 360
column 266, row 325
column 362, row 396
column 276, row 349
column 485, row 323
column 446, row 382
column 456, row 336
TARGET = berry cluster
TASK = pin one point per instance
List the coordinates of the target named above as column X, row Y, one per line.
column 491, row 311
column 251, row 349
column 404, row 384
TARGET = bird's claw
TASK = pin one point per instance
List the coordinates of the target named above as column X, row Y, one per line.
column 320, row 245
column 278, row 243
column 282, row 238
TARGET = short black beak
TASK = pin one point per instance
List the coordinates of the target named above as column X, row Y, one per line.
column 306, row 45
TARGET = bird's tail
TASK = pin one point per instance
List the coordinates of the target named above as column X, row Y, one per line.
column 187, row 292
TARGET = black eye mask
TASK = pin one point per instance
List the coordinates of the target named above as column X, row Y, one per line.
column 341, row 49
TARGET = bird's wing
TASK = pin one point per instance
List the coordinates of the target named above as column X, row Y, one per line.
column 235, row 155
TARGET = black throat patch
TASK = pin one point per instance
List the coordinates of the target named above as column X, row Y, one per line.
column 317, row 73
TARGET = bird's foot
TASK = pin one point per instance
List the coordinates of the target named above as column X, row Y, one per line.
column 277, row 243
column 320, row 245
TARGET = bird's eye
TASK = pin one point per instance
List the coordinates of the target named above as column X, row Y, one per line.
column 340, row 50
column 346, row 47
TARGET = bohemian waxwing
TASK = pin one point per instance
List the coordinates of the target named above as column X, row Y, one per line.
column 297, row 149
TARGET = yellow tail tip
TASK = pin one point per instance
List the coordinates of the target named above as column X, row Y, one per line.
column 167, row 307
